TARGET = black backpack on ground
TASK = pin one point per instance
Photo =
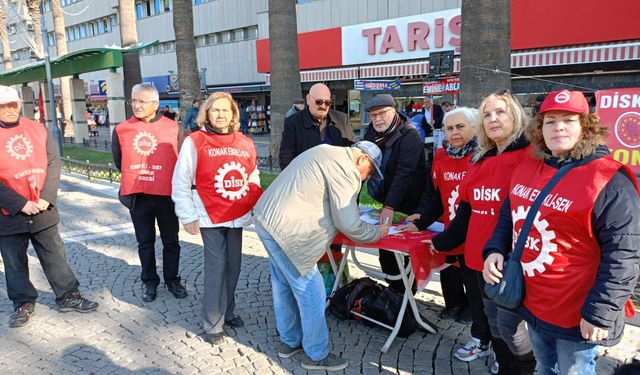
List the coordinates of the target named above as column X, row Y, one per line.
column 342, row 301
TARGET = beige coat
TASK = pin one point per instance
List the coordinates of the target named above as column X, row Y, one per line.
column 312, row 200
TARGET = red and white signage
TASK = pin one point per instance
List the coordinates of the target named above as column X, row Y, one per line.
column 403, row 38
column 620, row 109
column 448, row 85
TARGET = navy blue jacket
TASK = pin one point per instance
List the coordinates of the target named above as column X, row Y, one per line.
column 616, row 223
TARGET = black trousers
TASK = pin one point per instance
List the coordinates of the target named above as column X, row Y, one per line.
column 50, row 251
column 474, row 283
column 146, row 210
column 452, row 283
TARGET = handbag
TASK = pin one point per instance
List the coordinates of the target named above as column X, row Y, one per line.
column 509, row 292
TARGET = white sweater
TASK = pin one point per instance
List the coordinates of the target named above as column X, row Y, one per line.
column 188, row 205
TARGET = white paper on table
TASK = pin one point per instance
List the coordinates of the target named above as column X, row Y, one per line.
column 394, row 230
column 437, row 227
column 371, row 217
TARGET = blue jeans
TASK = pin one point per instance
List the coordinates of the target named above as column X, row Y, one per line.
column 298, row 301
column 572, row 357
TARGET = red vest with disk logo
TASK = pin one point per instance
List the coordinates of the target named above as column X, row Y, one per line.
column 561, row 255
column 485, row 187
column 225, row 163
column 447, row 175
column 23, row 151
column 149, row 155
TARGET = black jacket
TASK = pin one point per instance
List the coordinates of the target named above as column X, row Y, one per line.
column 406, row 172
column 10, row 200
column 616, row 224
column 300, row 134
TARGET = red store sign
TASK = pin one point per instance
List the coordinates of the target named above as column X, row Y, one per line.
column 449, row 85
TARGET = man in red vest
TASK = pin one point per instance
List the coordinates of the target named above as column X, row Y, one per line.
column 29, row 177
column 145, row 149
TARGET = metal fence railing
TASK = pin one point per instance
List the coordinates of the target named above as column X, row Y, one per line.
column 110, row 173
column 91, row 171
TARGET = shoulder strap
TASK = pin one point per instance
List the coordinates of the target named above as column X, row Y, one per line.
column 528, row 221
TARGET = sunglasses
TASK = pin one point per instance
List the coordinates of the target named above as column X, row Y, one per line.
column 504, row 92
column 319, row 102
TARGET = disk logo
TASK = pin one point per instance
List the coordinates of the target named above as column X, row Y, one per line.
column 538, row 242
column 145, row 144
column 562, row 97
column 452, row 202
column 232, row 181
column 627, row 129
column 19, row 147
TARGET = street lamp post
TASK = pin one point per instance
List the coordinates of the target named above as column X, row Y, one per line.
column 55, row 131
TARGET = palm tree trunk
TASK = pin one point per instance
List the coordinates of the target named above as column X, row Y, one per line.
column 33, row 7
column 128, row 37
column 4, row 37
column 61, row 49
column 486, row 48
column 285, row 68
column 186, row 57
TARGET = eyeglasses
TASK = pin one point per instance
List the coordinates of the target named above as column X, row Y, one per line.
column 319, row 102
column 378, row 114
column 141, row 102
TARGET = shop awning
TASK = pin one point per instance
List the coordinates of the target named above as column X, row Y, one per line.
column 609, row 52
column 83, row 61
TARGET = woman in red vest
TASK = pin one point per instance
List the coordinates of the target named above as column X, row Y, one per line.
column 580, row 261
column 449, row 168
column 215, row 185
column 501, row 147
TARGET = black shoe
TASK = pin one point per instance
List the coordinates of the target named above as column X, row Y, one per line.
column 236, row 322
column 213, row 338
column 75, row 302
column 149, row 292
column 22, row 314
column 450, row 312
column 177, row 289
column 464, row 316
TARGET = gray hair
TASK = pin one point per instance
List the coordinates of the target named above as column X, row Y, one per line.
column 147, row 87
column 470, row 114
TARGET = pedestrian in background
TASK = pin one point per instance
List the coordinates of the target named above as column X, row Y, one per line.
column 298, row 105
column 404, row 168
column 585, row 264
column 296, row 218
column 145, row 150
column 214, row 191
column 190, row 124
column 29, row 178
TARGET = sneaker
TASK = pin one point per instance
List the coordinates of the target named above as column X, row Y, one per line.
column 329, row 363
column 75, row 302
column 495, row 367
column 285, row 351
column 472, row 350
column 22, row 314
column 177, row 289
column 213, row 338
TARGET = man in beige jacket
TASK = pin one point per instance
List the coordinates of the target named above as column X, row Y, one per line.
column 297, row 218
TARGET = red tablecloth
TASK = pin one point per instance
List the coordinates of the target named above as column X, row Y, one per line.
column 422, row 262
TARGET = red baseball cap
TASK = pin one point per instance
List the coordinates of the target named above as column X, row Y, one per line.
column 565, row 100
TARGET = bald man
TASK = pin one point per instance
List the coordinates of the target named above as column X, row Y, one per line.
column 314, row 125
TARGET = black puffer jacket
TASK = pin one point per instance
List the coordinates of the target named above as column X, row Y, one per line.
column 615, row 220
column 406, row 172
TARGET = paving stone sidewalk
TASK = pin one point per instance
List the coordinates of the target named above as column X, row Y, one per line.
column 127, row 335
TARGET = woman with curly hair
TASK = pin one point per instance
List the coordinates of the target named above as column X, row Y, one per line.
column 580, row 261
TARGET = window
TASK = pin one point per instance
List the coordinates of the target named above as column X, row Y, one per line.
column 114, row 21
column 226, row 36
column 252, row 32
column 161, row 48
column 105, row 25
column 76, row 32
column 83, row 31
column 211, row 39
column 169, row 46
column 156, row 6
column 201, row 41
column 139, row 13
column 238, row 35
column 167, row 5
column 99, row 26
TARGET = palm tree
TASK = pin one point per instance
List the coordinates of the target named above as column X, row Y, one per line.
column 61, row 49
column 485, row 50
column 33, row 7
column 4, row 37
column 186, row 57
column 285, row 68
column 129, row 37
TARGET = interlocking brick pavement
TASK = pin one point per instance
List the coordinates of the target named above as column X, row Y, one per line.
column 127, row 335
